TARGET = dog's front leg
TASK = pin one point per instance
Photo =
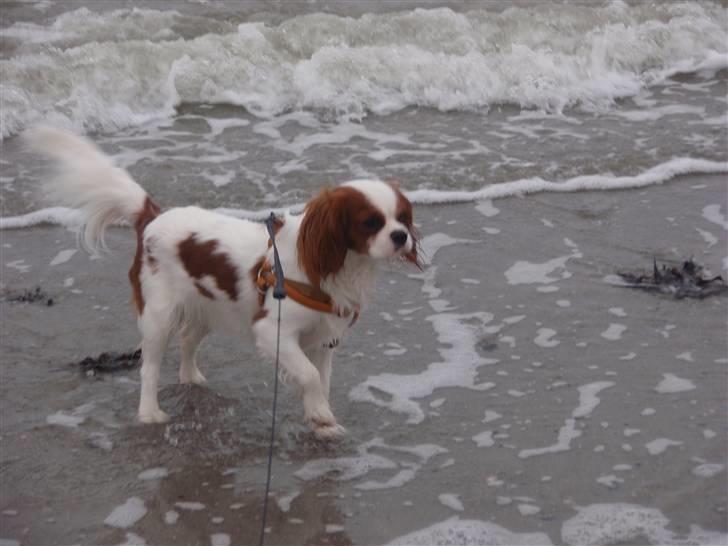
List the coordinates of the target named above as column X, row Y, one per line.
column 322, row 358
column 317, row 412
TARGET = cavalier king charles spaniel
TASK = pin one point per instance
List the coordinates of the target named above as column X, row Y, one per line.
column 196, row 270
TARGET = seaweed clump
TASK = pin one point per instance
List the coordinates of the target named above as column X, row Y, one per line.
column 685, row 281
column 110, row 362
column 33, row 295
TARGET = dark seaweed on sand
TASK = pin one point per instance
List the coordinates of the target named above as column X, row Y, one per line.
column 686, row 281
column 28, row 296
column 110, row 362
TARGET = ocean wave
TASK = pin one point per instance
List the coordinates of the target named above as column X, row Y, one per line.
column 102, row 72
column 658, row 174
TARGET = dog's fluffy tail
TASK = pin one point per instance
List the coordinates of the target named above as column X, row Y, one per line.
column 88, row 180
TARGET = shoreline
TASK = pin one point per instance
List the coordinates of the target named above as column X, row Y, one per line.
column 509, row 336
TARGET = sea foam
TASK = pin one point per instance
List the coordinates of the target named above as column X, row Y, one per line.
column 128, row 66
column 597, row 182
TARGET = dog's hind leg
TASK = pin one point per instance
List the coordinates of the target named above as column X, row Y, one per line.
column 155, row 325
column 190, row 337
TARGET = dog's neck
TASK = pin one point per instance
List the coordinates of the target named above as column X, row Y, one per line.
column 350, row 287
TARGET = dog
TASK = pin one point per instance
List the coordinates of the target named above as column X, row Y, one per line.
column 198, row 271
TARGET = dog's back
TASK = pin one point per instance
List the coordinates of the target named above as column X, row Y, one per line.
column 187, row 253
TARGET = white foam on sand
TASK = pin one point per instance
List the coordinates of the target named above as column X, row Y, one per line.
column 191, row 506
column 127, row 514
column 588, row 401
column 350, row 468
column 611, row 481
column 284, row 501
column 656, row 175
column 672, row 384
column 457, row 532
column 660, row 445
column 19, row 265
column 432, row 243
column 64, row 420
column 523, row 272
column 708, row 470
column 458, row 368
column 220, row 539
column 63, row 256
column 710, row 239
column 132, row 539
column 153, row 473
column 545, row 338
column 621, row 523
column 713, row 214
column 614, row 332
column 171, row 517
column 72, row 420
column 526, row 509
column 451, row 500
column 486, row 208
column 484, row 439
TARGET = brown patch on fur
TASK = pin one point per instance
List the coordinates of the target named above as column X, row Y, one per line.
column 404, row 215
column 201, row 259
column 149, row 212
column 204, row 291
column 260, row 314
column 333, row 225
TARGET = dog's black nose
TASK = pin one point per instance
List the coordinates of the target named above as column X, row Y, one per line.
column 399, row 238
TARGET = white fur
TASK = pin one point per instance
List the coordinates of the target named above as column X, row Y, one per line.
column 382, row 195
column 106, row 194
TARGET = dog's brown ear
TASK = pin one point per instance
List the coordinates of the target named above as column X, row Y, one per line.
column 413, row 256
column 404, row 211
column 322, row 243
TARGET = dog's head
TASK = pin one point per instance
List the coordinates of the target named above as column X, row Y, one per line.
column 369, row 217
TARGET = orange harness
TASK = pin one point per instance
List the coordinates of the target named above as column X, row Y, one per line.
column 305, row 294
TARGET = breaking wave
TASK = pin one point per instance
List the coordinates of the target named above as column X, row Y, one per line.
column 101, row 72
column 598, row 182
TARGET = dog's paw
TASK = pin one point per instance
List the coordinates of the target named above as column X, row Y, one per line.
column 195, row 376
column 329, row 432
column 154, row 416
column 324, row 425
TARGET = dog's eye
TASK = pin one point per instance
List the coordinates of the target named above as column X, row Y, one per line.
column 373, row 223
column 403, row 218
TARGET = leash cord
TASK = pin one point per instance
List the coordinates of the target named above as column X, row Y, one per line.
column 272, row 434
column 279, row 293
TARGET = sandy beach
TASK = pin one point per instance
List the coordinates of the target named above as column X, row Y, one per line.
column 512, row 385
column 513, row 392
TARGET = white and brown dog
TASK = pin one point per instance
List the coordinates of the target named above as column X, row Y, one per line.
column 198, row 271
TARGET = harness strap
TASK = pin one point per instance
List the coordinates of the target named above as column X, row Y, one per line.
column 305, row 294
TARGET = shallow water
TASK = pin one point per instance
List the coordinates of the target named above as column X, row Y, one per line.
column 513, row 392
column 551, row 407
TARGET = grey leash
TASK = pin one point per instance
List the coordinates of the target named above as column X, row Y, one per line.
column 279, row 292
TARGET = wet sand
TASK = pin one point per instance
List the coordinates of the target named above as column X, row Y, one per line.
column 559, row 390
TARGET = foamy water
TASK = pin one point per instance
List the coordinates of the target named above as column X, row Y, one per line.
column 494, row 360
column 129, row 65
column 520, row 273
